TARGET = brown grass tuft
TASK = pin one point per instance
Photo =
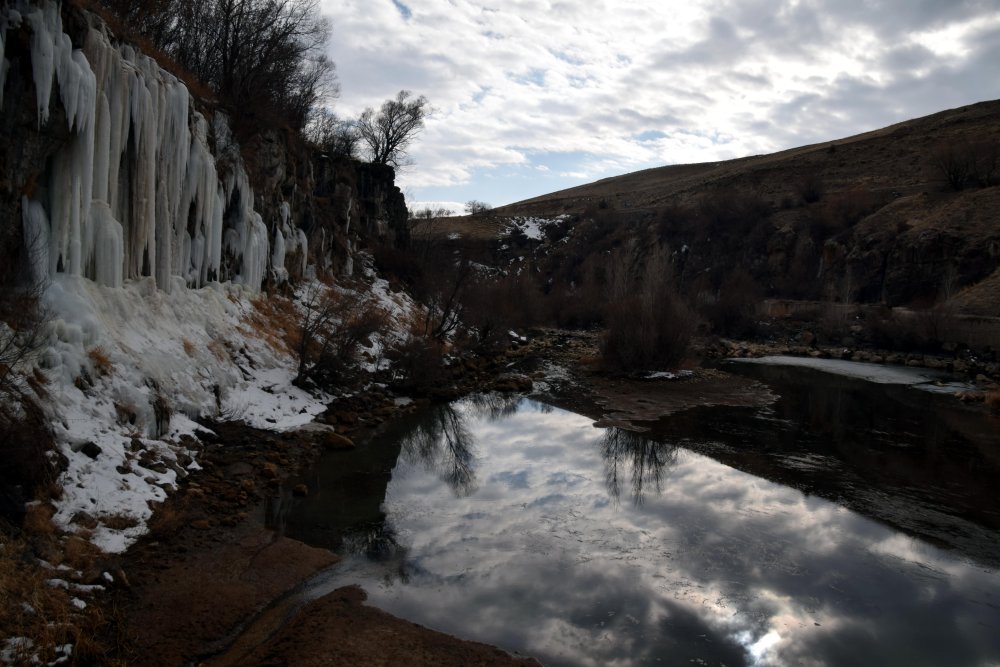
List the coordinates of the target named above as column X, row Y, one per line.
column 218, row 350
column 38, row 520
column 79, row 554
column 188, row 347
column 100, row 360
column 126, row 413
column 274, row 320
column 165, row 522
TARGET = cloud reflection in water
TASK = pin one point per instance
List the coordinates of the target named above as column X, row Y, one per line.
column 516, row 534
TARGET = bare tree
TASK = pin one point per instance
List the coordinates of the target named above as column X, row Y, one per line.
column 254, row 53
column 476, row 207
column 389, row 132
column 332, row 135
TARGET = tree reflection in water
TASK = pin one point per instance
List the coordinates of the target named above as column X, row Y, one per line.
column 496, row 406
column 645, row 457
column 443, row 443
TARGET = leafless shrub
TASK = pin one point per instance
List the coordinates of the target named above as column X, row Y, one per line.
column 396, row 263
column 918, row 330
column 967, row 163
column 648, row 324
column 332, row 328
column 733, row 210
column 494, row 305
column 810, row 187
column 332, row 135
column 262, row 55
column 418, row 363
column 476, row 207
column 851, row 206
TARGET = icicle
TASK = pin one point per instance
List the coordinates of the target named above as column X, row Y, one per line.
column 303, row 247
column 46, row 25
column 36, row 238
column 278, row 256
column 137, row 190
column 108, row 247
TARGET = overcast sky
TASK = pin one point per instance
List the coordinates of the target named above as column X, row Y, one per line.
column 533, row 96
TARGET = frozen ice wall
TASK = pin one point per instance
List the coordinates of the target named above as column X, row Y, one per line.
column 138, row 190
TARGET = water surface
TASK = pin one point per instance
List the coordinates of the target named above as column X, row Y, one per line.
column 521, row 525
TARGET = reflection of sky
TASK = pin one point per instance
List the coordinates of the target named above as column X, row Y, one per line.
column 717, row 566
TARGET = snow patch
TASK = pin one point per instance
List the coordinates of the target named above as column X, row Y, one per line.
column 533, row 228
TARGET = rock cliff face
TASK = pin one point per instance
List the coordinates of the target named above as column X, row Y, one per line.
column 111, row 170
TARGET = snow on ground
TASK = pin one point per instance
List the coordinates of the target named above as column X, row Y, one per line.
column 904, row 375
column 533, row 228
column 129, row 370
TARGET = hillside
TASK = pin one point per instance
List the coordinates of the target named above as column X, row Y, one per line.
column 870, row 218
column 893, row 159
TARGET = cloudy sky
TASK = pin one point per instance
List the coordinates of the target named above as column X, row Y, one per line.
column 533, row 96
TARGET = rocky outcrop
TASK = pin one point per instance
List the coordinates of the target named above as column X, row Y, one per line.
column 356, row 205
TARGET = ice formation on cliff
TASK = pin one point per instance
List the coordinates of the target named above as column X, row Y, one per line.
column 147, row 198
column 137, row 191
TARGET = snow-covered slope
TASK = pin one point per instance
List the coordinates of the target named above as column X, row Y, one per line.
column 129, row 368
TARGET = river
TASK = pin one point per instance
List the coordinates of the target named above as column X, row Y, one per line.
column 846, row 523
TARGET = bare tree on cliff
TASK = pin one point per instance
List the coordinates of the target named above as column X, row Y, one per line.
column 253, row 53
column 389, row 132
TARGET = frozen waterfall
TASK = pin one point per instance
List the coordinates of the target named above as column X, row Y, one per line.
column 137, row 191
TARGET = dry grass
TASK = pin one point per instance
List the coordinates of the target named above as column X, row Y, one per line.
column 218, row 350
column 275, row 320
column 188, row 347
column 38, row 520
column 100, row 360
column 166, row 521
column 44, row 615
column 79, row 554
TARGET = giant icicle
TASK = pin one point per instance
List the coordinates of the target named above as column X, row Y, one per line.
column 137, row 191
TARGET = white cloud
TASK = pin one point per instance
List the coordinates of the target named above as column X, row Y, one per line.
column 718, row 78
